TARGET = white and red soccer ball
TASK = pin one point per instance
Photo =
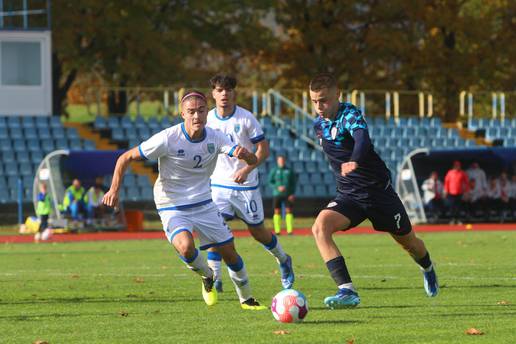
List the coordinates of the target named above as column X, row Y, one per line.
column 289, row 306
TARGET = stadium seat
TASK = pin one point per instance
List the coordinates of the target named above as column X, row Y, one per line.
column 142, row 181
column 307, row 191
column 22, row 157
column 126, row 122
column 25, row 169
column 72, row 133
column 44, row 133
column 131, row 132
column 113, row 122
column 19, row 145
column 89, row 145
column 11, row 168
column 3, row 122
column 55, row 122
column 61, row 143
column 30, row 133
column 316, row 178
column 28, row 122
column 147, row 194
column 129, row 180
column 144, row 133
column 100, row 123
column 8, row 156
column 75, row 144
column 139, row 122
column 36, row 157
column 133, row 193
column 15, row 133
column 311, row 167
column 41, row 122
column 13, row 122
column 58, row 133
column 153, row 124
column 165, row 122
column 299, row 167
column 117, row 134
column 4, row 133
column 47, row 145
column 321, row 191
column 303, row 178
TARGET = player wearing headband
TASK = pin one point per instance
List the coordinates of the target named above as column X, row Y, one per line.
column 187, row 154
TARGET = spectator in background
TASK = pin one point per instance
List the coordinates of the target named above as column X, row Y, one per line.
column 494, row 196
column 476, row 198
column 479, row 176
column 456, row 185
column 282, row 180
column 433, row 195
column 43, row 210
column 93, row 201
column 73, row 202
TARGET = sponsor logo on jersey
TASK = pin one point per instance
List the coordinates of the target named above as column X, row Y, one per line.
column 211, row 148
column 237, row 128
column 331, row 204
column 180, row 152
column 334, row 131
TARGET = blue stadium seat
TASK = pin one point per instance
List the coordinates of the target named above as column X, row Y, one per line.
column 471, row 143
column 47, row 145
column 44, row 133
column 19, row 145
column 131, row 132
column 139, row 122
column 144, row 133
column 11, row 168
column 165, row 122
column 117, row 134
column 321, row 191
column 435, row 122
column 323, row 165
column 113, row 122
column 4, row 133
column 403, row 142
column 129, row 180
column 299, row 167
column 133, row 142
column 409, row 132
column 100, row 123
column 504, row 132
column 153, row 124
column 303, row 178
column 492, row 133
column 25, row 169
column 329, row 178
column 133, row 193
column 8, row 156
column 22, row 157
column 494, row 123
column 509, row 142
column 316, row 178
column 3, row 122
column 75, row 144
column 304, row 154
column 72, row 133
column 61, row 143
column 36, row 157
column 146, row 194
column 126, row 122
column 307, row 190
column 31, row 133
column 16, row 133
column 413, row 121
column 42, row 122
column 28, row 122
column 13, row 122
column 176, row 120
column 55, row 122
column 58, row 132
column 88, row 145
column 265, row 121
column 142, row 180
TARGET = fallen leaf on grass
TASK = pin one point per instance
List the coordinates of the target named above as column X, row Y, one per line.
column 350, row 341
column 503, row 302
column 474, row 332
column 281, row 332
column 40, row 342
column 124, row 313
column 131, row 295
column 75, row 276
column 139, row 280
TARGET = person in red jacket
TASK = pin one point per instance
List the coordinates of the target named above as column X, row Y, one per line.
column 456, row 185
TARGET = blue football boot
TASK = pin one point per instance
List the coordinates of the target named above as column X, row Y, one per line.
column 287, row 273
column 430, row 282
column 345, row 298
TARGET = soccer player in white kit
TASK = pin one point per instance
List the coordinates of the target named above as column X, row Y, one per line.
column 187, row 154
column 235, row 185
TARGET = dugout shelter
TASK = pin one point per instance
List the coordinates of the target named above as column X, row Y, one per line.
column 418, row 164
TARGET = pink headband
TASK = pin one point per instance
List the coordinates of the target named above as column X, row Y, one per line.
column 193, row 94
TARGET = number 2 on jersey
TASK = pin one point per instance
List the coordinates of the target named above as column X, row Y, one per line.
column 197, row 159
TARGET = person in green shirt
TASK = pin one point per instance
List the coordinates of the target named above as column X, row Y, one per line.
column 73, row 202
column 282, row 180
column 43, row 209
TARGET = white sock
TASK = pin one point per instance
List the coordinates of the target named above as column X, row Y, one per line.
column 347, row 286
column 198, row 264
column 215, row 263
column 238, row 275
column 274, row 247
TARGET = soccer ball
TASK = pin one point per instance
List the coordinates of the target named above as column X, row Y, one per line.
column 289, row 306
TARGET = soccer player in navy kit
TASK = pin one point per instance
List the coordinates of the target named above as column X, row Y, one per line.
column 364, row 191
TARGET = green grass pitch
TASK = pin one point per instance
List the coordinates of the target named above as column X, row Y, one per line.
column 140, row 292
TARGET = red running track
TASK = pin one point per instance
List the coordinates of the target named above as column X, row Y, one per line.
column 106, row 236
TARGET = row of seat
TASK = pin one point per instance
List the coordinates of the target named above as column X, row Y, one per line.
column 30, row 121
column 39, row 133
column 44, row 145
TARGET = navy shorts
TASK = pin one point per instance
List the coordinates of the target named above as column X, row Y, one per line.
column 382, row 207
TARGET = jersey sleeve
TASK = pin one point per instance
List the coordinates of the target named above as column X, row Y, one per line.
column 154, row 147
column 224, row 144
column 353, row 120
column 255, row 130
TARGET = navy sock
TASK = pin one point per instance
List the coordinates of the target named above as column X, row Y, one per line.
column 424, row 262
column 338, row 270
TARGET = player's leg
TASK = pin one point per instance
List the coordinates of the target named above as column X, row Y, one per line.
column 276, row 218
column 337, row 216
column 248, row 206
column 388, row 214
column 178, row 229
column 221, row 198
column 238, row 274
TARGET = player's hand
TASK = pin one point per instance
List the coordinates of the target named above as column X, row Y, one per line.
column 111, row 199
column 281, row 188
column 240, row 176
column 243, row 154
column 291, row 198
column 348, row 167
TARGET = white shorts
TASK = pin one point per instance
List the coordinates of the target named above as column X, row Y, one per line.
column 205, row 220
column 247, row 205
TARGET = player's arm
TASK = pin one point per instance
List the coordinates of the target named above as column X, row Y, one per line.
column 111, row 197
column 361, row 148
column 262, row 153
column 245, row 155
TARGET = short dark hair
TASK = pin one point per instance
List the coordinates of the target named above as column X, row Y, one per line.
column 323, row 80
column 193, row 93
column 225, row 81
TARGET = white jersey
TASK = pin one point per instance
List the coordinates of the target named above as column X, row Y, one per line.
column 243, row 129
column 184, row 165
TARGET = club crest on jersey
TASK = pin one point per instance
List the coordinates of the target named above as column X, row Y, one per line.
column 180, row 152
column 333, row 133
column 237, row 128
column 211, row 148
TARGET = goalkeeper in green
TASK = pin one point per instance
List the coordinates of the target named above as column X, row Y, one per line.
column 282, row 180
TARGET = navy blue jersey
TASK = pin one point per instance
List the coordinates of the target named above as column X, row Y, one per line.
column 338, row 143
